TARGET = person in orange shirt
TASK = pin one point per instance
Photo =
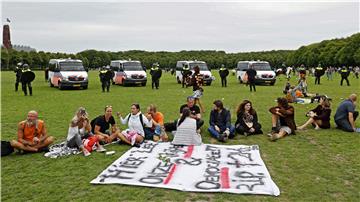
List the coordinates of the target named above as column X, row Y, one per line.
column 32, row 135
column 157, row 131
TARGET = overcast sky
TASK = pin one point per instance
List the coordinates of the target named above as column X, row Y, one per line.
column 169, row 26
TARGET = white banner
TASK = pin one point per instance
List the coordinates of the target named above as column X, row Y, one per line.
column 206, row 168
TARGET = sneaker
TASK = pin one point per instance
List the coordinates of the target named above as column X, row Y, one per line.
column 86, row 152
column 222, row 137
column 317, row 128
column 100, row 148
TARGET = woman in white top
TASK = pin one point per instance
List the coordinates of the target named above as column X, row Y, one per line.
column 135, row 120
column 186, row 130
column 79, row 129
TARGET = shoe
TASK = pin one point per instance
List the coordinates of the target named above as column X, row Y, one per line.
column 44, row 149
column 222, row 137
column 275, row 137
column 100, row 148
column 317, row 128
column 86, row 152
column 136, row 145
column 246, row 134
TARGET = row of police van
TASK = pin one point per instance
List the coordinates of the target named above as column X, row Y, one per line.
column 71, row 72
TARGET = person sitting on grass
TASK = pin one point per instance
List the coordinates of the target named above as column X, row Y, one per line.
column 220, row 122
column 346, row 115
column 157, row 131
column 136, row 121
column 247, row 120
column 186, row 133
column 100, row 126
column 32, row 135
column 80, row 129
column 282, row 118
column 320, row 116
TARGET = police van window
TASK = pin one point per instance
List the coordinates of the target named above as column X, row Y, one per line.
column 71, row 66
column 261, row 66
column 52, row 66
column 242, row 66
column 202, row 66
column 132, row 66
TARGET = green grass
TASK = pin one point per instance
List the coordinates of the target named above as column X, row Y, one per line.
column 311, row 166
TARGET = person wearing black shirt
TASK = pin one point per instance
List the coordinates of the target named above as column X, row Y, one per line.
column 251, row 72
column 155, row 73
column 195, row 114
column 220, row 122
column 319, row 71
column 223, row 72
column 344, row 75
column 18, row 75
column 101, row 126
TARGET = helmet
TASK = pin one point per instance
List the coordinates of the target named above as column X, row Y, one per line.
column 25, row 66
column 19, row 64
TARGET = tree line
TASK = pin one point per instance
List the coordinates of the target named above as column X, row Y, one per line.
column 335, row 52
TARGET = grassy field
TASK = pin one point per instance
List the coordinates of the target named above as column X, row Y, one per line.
column 311, row 166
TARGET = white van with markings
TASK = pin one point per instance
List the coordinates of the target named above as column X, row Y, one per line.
column 204, row 70
column 128, row 72
column 67, row 73
column 264, row 73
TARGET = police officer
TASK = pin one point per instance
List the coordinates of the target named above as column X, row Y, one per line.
column 223, row 72
column 344, row 75
column 18, row 71
column 186, row 72
column 27, row 76
column 319, row 71
column 105, row 77
column 155, row 73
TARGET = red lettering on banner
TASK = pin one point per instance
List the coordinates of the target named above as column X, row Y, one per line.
column 224, row 175
column 189, row 152
column 171, row 173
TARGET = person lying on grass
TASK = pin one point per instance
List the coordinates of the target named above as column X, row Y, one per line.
column 320, row 116
column 282, row 118
column 136, row 121
column 79, row 131
column 32, row 135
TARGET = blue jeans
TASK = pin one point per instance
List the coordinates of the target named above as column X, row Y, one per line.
column 149, row 132
column 216, row 134
column 344, row 124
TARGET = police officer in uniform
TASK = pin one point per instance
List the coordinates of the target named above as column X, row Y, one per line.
column 344, row 75
column 105, row 76
column 319, row 71
column 223, row 72
column 27, row 76
column 186, row 72
column 18, row 71
column 155, row 73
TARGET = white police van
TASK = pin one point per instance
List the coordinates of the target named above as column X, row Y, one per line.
column 204, row 70
column 264, row 73
column 67, row 73
column 128, row 72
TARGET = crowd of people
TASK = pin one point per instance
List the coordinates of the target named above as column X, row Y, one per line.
column 86, row 135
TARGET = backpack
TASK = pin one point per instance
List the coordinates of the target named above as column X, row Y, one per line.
column 141, row 120
column 6, row 148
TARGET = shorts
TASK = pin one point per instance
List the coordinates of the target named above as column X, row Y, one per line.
column 197, row 94
column 286, row 129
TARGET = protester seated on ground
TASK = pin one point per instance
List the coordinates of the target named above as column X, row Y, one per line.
column 195, row 114
column 247, row 120
column 100, row 126
column 136, row 121
column 32, row 135
column 79, row 130
column 282, row 119
column 346, row 115
column 293, row 95
column 220, row 122
column 320, row 116
column 186, row 132
column 302, row 85
column 157, row 131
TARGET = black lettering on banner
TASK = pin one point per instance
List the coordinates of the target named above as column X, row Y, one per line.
column 146, row 147
column 249, row 180
column 158, row 174
column 236, row 159
column 132, row 162
column 207, row 185
column 242, row 151
column 116, row 173
column 192, row 161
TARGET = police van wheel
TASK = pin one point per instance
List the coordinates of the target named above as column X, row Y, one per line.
column 143, row 84
column 60, row 86
column 240, row 81
column 85, row 87
column 51, row 85
column 178, row 80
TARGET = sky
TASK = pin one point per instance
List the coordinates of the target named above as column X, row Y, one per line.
column 229, row 26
